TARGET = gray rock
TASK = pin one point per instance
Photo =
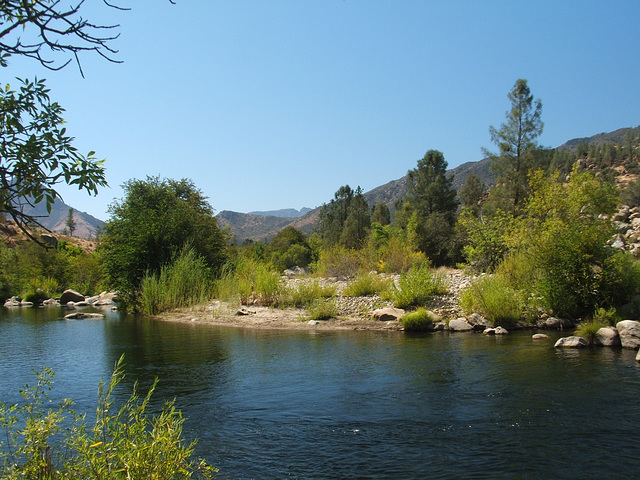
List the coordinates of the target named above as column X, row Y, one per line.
column 607, row 337
column 12, row 302
column 629, row 331
column 314, row 322
column 460, row 325
column 71, row 296
column 245, row 311
column 554, row 323
column 82, row 316
column 539, row 336
column 388, row 314
column 439, row 326
column 476, row 319
column 51, row 302
column 106, row 299
column 24, row 303
column 638, row 356
column 501, row 330
column 571, row 342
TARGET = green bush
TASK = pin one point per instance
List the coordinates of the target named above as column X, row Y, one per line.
column 44, row 442
column 322, row 310
column 417, row 286
column 588, row 329
column 248, row 280
column 366, row 285
column 419, row 321
column 493, row 297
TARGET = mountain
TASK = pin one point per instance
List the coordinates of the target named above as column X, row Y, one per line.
column 87, row 226
column 285, row 212
column 265, row 225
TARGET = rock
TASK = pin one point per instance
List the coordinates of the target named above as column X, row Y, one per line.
column 460, row 325
column 629, row 331
column 49, row 239
column 12, row 302
column 295, row 272
column 71, row 296
column 83, row 315
column 245, row 311
column 554, row 323
column 82, row 303
column 439, row 326
column 106, row 299
column 51, row 302
column 618, row 242
column 24, row 303
column 313, row 322
column 476, row 319
column 501, row 330
column 388, row 314
column 539, row 336
column 607, row 337
column 638, row 356
column 571, row 342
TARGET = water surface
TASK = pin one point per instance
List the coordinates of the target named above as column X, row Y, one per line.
column 361, row 405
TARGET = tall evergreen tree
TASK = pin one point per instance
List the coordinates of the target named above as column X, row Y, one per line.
column 70, row 222
column 430, row 207
column 516, row 139
column 346, row 219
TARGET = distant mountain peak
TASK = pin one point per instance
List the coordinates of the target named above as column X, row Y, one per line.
column 284, row 212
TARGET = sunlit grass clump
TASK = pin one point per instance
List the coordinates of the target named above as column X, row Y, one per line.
column 421, row 320
column 418, row 286
column 366, row 285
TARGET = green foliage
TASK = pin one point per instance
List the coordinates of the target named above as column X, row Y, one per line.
column 429, row 209
column 341, row 262
column 381, row 214
column 366, row 285
column 516, row 139
column 322, row 310
column 70, row 222
column 417, row 286
column 485, row 237
column 121, row 444
column 289, row 248
column 184, row 282
column 420, row 320
column 246, row 281
column 346, row 220
column 495, row 298
column 306, row 293
column 155, row 219
column 36, row 154
column 471, row 192
column 589, row 329
column 631, row 194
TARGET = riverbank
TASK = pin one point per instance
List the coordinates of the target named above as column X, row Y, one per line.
column 354, row 313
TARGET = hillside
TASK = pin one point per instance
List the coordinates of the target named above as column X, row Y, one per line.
column 264, row 227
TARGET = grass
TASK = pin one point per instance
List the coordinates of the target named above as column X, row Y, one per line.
column 305, row 293
column 493, row 297
column 588, row 329
column 367, row 285
column 183, row 283
column 322, row 310
column 421, row 320
column 417, row 286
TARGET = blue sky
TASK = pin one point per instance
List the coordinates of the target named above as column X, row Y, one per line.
column 276, row 104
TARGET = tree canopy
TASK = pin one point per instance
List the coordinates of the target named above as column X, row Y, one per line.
column 154, row 220
column 516, row 140
column 346, row 220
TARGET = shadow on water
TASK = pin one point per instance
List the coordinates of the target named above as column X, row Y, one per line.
column 308, row 404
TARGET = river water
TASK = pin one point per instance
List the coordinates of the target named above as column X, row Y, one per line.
column 352, row 405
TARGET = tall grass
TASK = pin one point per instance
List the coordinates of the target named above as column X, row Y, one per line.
column 421, row 320
column 185, row 282
column 493, row 297
column 417, row 287
column 249, row 281
column 305, row 294
column 366, row 285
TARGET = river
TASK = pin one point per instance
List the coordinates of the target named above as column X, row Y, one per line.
column 269, row 404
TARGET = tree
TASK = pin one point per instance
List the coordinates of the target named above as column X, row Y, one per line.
column 346, row 220
column 36, row 154
column 70, row 222
column 156, row 219
column 471, row 192
column 381, row 214
column 516, row 140
column 289, row 248
column 38, row 29
column 429, row 208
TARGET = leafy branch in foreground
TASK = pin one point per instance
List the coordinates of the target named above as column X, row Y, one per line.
column 122, row 444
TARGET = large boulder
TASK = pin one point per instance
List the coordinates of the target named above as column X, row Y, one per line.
column 83, row 316
column 460, row 325
column 571, row 342
column 70, row 296
column 388, row 314
column 629, row 331
column 539, row 336
column 12, row 302
column 607, row 337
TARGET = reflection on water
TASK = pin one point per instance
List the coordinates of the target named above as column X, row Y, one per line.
column 277, row 404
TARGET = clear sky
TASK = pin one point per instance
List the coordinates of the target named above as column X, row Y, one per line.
column 276, row 104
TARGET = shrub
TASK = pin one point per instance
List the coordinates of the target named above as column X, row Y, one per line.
column 341, row 262
column 419, row 321
column 322, row 310
column 366, row 285
column 493, row 297
column 417, row 286
column 122, row 443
